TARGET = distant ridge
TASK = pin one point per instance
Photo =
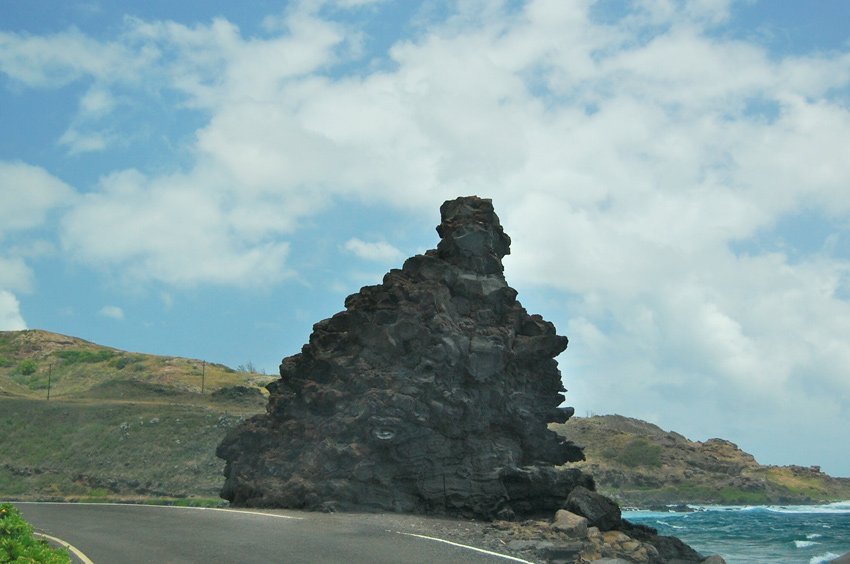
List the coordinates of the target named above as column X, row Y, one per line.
column 640, row 464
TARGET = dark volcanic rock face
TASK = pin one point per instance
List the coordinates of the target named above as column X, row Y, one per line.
column 431, row 392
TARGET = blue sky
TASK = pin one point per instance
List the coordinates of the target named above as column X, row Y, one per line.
column 208, row 179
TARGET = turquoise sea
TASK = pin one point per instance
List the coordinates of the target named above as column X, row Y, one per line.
column 808, row 534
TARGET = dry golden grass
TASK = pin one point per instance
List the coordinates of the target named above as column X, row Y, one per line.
column 31, row 361
column 118, row 425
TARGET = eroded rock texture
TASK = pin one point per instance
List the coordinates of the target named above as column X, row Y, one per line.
column 431, row 392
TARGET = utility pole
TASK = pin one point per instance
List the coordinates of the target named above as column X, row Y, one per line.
column 203, row 374
column 49, row 374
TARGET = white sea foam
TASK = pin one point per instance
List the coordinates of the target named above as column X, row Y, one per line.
column 813, row 536
column 671, row 525
column 804, row 543
column 839, row 508
column 722, row 507
column 646, row 514
column 821, row 558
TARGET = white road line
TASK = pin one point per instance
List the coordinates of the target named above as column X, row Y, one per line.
column 67, row 545
column 481, row 550
column 232, row 511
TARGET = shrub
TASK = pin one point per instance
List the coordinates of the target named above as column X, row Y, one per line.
column 735, row 496
column 125, row 360
column 637, row 452
column 27, row 367
column 18, row 544
column 79, row 356
column 247, row 368
column 35, row 383
column 4, row 362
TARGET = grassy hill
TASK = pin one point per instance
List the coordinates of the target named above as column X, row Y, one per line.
column 639, row 464
column 131, row 426
column 74, row 368
column 117, row 425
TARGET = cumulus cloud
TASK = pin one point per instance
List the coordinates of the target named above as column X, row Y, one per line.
column 59, row 59
column 27, row 194
column 15, row 275
column 356, row 3
column 379, row 251
column 215, row 65
column 174, row 230
column 10, row 313
column 82, row 142
column 97, row 102
column 112, row 312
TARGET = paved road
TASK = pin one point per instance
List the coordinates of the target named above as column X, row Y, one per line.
column 138, row 533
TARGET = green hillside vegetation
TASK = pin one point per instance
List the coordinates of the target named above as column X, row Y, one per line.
column 641, row 465
column 117, row 425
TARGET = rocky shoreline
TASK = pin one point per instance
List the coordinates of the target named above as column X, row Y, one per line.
column 591, row 529
column 565, row 538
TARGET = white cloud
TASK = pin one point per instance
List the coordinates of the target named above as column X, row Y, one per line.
column 173, row 230
column 15, row 275
column 97, row 102
column 85, row 134
column 27, row 194
column 81, row 142
column 10, row 313
column 356, row 3
column 111, row 311
column 214, row 65
column 379, row 251
column 56, row 60
column 167, row 299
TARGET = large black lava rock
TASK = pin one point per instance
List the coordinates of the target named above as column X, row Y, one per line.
column 430, row 393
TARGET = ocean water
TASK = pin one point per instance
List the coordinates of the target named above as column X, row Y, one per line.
column 808, row 534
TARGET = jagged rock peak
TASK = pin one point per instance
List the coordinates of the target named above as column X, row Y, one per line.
column 472, row 235
column 431, row 392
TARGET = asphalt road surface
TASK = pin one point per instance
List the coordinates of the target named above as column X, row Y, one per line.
column 140, row 533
